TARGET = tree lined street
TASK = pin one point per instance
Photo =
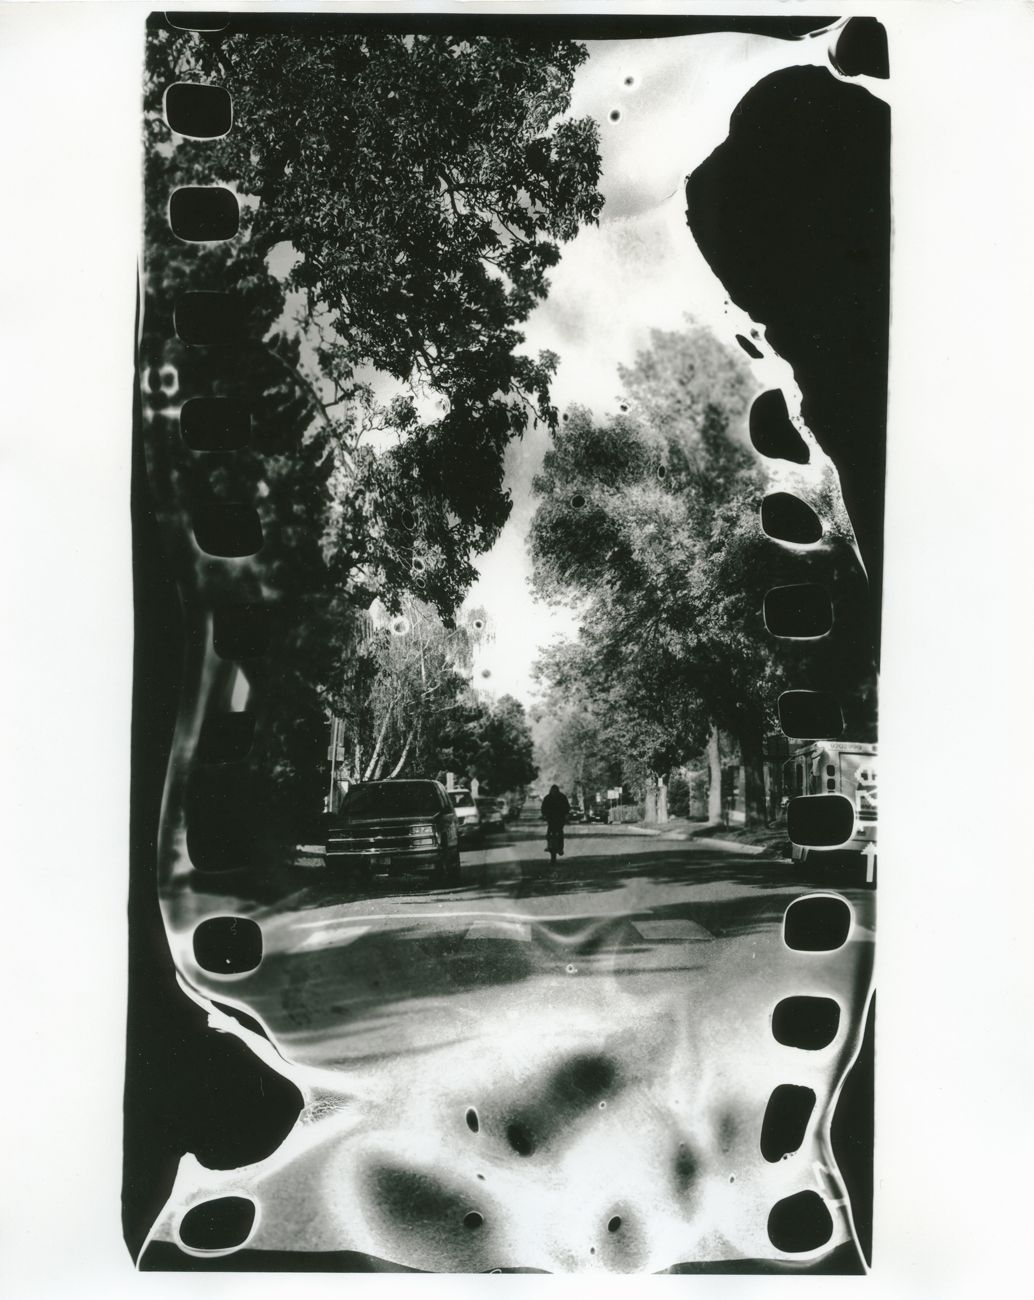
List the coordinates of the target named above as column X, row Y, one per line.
column 349, row 975
column 331, row 446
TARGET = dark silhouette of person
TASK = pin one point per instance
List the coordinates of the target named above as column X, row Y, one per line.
column 555, row 810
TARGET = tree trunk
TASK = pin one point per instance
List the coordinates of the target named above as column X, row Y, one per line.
column 405, row 754
column 662, row 799
column 714, row 774
column 372, row 766
column 752, row 754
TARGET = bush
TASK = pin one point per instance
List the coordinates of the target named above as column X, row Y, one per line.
column 678, row 796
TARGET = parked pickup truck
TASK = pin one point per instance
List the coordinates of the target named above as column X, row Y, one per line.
column 394, row 828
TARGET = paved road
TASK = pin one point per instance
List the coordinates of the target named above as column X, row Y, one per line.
column 406, row 966
column 579, row 1065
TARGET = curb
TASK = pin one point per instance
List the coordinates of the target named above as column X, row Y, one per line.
column 733, row 846
column 684, row 837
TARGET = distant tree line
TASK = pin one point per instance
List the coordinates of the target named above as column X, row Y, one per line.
column 648, row 525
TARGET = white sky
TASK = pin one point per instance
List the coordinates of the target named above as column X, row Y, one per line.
column 638, row 270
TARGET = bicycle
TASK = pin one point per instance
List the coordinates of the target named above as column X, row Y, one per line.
column 555, row 842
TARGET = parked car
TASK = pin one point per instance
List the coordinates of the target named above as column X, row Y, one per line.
column 398, row 827
column 468, row 818
column 492, row 815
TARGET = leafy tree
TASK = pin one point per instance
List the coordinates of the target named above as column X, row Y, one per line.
column 649, row 520
column 605, row 721
column 417, row 189
column 505, row 755
column 402, row 200
column 403, row 699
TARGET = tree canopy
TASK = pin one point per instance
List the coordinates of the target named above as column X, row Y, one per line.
column 648, row 522
column 405, row 196
column 402, row 200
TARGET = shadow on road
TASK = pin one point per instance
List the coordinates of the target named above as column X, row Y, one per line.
column 760, row 887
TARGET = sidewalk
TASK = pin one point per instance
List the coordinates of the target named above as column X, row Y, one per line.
column 771, row 843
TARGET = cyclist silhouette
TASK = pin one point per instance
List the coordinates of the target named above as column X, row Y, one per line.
column 555, row 811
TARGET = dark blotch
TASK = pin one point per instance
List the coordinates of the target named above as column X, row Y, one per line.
column 820, row 821
column 809, row 1023
column 203, row 112
column 207, row 317
column 521, row 1138
column 227, row 819
column 584, row 1079
column 414, row 1201
column 801, row 1222
column 748, row 347
column 789, row 519
column 198, row 20
column 215, row 424
column 786, row 1120
column 817, row 924
column 472, row 1220
column 226, row 737
column 772, row 431
column 218, row 1225
column 472, row 1120
column 228, row 945
column 578, row 500
column 792, row 211
column 202, row 213
column 614, row 1224
column 810, row 715
column 685, row 1167
column 802, row 609
column 242, row 1018
column 227, row 529
column 862, row 49
column 241, row 631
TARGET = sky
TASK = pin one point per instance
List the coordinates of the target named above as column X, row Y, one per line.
column 662, row 107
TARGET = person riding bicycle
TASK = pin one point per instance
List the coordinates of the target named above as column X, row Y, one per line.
column 555, row 811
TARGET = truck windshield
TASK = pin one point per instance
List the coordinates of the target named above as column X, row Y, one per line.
column 392, row 799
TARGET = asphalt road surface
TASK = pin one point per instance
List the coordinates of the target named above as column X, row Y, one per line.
column 405, row 964
column 558, row 1069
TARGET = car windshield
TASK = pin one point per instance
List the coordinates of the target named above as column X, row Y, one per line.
column 461, row 799
column 392, row 799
